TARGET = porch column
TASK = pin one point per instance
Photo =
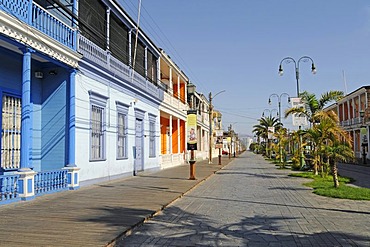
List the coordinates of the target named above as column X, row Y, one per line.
column 178, row 87
column 170, row 137
column 75, row 23
column 26, row 110
column 26, row 175
column 178, row 136
column 170, row 79
column 72, row 169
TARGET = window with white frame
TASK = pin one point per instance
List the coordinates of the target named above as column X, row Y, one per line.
column 122, row 111
column 152, row 147
column 97, row 126
column 11, row 132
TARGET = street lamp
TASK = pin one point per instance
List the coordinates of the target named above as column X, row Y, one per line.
column 270, row 112
column 279, row 101
column 210, row 112
column 296, row 66
column 279, row 105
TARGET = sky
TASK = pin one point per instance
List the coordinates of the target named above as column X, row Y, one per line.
column 237, row 46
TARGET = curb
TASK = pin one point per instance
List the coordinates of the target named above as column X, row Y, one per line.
column 130, row 230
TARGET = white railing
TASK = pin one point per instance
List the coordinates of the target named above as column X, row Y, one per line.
column 104, row 59
column 174, row 102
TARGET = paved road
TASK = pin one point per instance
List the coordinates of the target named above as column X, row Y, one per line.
column 360, row 173
column 251, row 203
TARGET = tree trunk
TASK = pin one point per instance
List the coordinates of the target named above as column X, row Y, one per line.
column 335, row 174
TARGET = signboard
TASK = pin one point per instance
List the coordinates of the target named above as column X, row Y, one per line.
column 219, row 133
column 192, row 130
column 219, row 142
column 298, row 120
column 270, row 132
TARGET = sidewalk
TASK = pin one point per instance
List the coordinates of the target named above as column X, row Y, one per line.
column 98, row 214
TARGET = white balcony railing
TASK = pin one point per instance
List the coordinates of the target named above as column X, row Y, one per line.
column 104, row 59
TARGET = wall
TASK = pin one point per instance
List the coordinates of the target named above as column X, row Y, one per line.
column 111, row 167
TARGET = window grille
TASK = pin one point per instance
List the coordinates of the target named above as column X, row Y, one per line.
column 97, row 134
column 151, row 139
column 11, row 132
column 122, row 136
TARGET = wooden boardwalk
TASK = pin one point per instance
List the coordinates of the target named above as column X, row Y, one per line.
column 96, row 215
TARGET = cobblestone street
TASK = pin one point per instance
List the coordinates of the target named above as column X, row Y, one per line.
column 252, row 203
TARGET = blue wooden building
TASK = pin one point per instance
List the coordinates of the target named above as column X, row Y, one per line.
column 79, row 96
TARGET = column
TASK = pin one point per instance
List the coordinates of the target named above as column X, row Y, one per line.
column 170, row 79
column 72, row 169
column 26, row 175
column 74, row 23
column 170, row 137
column 178, row 137
column 26, row 110
column 178, row 87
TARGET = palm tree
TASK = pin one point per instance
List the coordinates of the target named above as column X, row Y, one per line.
column 338, row 151
column 261, row 129
column 282, row 137
column 331, row 141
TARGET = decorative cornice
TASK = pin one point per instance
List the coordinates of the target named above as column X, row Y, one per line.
column 29, row 36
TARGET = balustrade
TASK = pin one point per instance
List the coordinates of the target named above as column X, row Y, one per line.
column 8, row 187
column 50, row 181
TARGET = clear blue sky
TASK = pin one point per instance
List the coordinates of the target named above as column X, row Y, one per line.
column 237, row 46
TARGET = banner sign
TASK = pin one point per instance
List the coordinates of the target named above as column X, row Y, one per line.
column 298, row 120
column 192, row 130
column 270, row 132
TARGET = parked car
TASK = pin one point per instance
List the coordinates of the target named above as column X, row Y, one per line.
column 224, row 152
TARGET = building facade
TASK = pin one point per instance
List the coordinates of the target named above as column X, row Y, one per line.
column 354, row 114
column 86, row 96
column 173, row 113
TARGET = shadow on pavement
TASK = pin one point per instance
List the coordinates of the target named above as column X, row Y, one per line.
column 193, row 229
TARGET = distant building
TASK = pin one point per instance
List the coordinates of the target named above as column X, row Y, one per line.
column 349, row 110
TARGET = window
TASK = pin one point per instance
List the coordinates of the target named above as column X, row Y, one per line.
column 11, row 132
column 92, row 21
column 122, row 111
column 122, row 136
column 119, row 44
column 97, row 136
column 139, row 65
column 152, row 68
column 152, row 148
column 97, row 126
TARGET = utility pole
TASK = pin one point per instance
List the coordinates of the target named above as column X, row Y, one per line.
column 210, row 112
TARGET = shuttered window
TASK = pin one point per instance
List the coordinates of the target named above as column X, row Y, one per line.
column 92, row 21
column 119, row 43
column 152, row 68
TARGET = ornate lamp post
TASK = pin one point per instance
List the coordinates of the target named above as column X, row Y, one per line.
column 270, row 112
column 279, row 101
column 279, row 106
column 296, row 66
column 191, row 90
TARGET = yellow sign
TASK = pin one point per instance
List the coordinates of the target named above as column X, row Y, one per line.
column 192, row 130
